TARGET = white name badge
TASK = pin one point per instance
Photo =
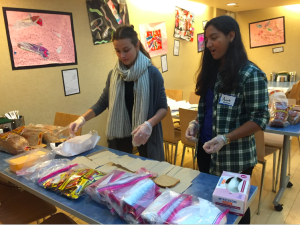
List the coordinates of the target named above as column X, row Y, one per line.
column 227, row 100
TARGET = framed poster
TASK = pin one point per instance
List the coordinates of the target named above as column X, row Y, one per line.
column 201, row 42
column 267, row 32
column 164, row 63
column 154, row 38
column 39, row 38
column 176, row 48
column 105, row 17
column 184, row 24
column 70, row 81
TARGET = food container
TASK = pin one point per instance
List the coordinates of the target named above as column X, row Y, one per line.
column 26, row 159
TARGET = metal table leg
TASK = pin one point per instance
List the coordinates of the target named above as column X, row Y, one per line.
column 284, row 179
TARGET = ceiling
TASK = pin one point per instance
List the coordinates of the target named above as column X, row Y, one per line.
column 244, row 5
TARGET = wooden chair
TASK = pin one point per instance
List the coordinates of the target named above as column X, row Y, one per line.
column 186, row 116
column 170, row 136
column 294, row 93
column 174, row 94
column 64, row 119
column 194, row 99
column 262, row 151
column 22, row 207
column 59, row 218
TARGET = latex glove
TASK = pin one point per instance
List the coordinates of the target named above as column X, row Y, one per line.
column 74, row 127
column 214, row 145
column 141, row 134
column 192, row 131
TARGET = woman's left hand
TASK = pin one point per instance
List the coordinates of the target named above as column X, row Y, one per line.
column 141, row 134
column 214, row 145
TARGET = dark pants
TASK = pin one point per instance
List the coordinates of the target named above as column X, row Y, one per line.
column 204, row 163
column 125, row 145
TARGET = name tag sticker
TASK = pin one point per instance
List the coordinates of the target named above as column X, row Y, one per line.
column 227, row 100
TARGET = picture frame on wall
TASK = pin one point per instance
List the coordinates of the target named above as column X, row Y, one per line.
column 70, row 81
column 176, row 48
column 200, row 42
column 39, row 38
column 204, row 24
column 277, row 49
column 267, row 32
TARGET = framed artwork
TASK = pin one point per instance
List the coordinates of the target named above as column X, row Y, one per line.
column 204, row 24
column 70, row 81
column 39, row 38
column 184, row 24
column 164, row 63
column 154, row 38
column 201, row 42
column 267, row 32
column 105, row 17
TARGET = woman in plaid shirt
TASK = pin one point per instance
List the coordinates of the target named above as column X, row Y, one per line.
column 233, row 104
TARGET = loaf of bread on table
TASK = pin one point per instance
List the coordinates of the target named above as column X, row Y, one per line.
column 13, row 143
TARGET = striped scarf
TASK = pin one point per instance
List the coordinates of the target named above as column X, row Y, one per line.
column 118, row 122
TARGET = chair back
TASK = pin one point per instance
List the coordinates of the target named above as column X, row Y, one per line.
column 64, row 119
column 186, row 116
column 194, row 99
column 294, row 93
column 174, row 94
column 168, row 127
column 260, row 145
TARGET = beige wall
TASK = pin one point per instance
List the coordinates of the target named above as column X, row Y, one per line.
column 38, row 93
column 263, row 56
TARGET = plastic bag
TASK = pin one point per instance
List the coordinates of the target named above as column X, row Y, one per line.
column 293, row 117
column 72, row 182
column 52, row 133
column 77, row 145
column 45, row 168
column 277, row 96
column 279, row 114
column 294, row 107
column 113, row 176
column 28, row 159
column 13, row 143
column 32, row 135
column 174, row 208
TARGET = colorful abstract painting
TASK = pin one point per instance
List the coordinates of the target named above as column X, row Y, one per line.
column 154, row 38
column 105, row 17
column 184, row 22
column 201, row 42
column 38, row 38
column 267, row 32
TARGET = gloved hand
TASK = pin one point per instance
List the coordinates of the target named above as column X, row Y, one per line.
column 74, row 127
column 214, row 145
column 192, row 131
column 141, row 134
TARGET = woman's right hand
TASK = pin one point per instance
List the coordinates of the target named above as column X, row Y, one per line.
column 74, row 127
column 192, row 131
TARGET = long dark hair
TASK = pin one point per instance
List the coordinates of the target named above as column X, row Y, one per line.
column 235, row 58
column 126, row 31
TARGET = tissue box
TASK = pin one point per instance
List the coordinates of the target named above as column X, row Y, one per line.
column 232, row 192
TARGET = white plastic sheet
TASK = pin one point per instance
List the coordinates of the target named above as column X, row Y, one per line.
column 77, row 144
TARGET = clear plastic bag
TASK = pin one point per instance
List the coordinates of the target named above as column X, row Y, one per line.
column 32, row 135
column 77, row 145
column 71, row 183
column 113, row 176
column 293, row 117
column 279, row 114
column 13, row 143
column 28, row 159
column 173, row 208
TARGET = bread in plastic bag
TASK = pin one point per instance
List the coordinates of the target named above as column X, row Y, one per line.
column 173, row 208
column 32, row 135
column 77, row 145
column 279, row 114
column 52, row 133
column 293, row 117
column 13, row 143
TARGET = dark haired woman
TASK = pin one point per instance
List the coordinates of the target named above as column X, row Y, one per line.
column 233, row 104
column 135, row 97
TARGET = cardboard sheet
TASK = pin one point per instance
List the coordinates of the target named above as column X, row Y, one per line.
column 122, row 160
column 85, row 161
column 137, row 164
column 186, row 175
column 99, row 154
column 151, row 164
column 107, row 168
column 162, row 168
column 104, row 159
column 174, row 170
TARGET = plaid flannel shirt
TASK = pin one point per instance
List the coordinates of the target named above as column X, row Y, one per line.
column 251, row 104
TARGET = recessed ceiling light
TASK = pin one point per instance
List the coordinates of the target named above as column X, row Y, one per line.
column 230, row 4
